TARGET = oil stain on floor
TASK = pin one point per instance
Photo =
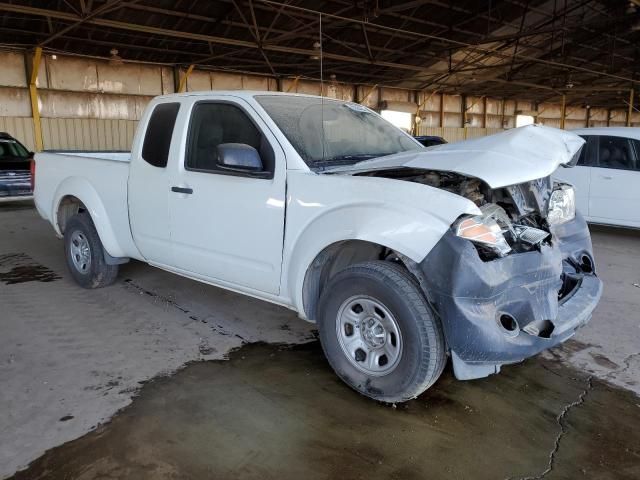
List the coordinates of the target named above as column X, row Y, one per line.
column 20, row 268
column 280, row 413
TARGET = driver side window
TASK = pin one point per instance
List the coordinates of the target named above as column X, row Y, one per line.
column 213, row 124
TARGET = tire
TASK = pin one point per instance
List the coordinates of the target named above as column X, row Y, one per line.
column 85, row 254
column 352, row 306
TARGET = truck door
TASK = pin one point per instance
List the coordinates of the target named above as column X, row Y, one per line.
column 149, row 184
column 228, row 226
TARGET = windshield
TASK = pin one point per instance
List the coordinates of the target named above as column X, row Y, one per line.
column 12, row 149
column 328, row 132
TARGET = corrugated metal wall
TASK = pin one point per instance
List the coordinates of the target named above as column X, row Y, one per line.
column 92, row 104
column 87, row 133
column 453, row 134
column 21, row 128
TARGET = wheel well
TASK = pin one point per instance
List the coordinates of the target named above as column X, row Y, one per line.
column 68, row 207
column 335, row 258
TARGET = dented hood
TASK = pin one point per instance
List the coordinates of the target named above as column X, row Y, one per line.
column 514, row 156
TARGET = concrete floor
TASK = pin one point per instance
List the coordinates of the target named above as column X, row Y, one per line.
column 70, row 359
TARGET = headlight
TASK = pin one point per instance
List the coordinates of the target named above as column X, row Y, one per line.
column 484, row 231
column 562, row 205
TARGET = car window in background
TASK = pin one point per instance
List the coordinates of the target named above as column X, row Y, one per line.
column 430, row 140
column 587, row 154
column 12, row 149
column 636, row 147
column 616, row 152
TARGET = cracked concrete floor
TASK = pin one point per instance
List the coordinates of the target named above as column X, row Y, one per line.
column 609, row 346
column 70, row 359
column 281, row 413
column 69, row 362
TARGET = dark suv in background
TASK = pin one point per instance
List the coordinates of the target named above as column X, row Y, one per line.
column 430, row 140
column 15, row 163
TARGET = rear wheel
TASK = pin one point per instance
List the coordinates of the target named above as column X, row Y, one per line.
column 85, row 254
column 379, row 333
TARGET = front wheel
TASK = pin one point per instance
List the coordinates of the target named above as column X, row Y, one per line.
column 85, row 254
column 379, row 333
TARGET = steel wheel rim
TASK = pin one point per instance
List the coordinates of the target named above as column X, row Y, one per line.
column 80, row 251
column 369, row 335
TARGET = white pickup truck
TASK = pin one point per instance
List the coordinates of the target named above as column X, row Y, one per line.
column 403, row 255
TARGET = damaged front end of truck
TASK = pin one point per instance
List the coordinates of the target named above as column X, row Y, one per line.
column 520, row 276
column 513, row 281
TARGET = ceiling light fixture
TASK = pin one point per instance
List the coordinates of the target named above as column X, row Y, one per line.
column 115, row 59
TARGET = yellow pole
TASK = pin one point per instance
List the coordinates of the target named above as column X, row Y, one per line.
column 183, row 81
column 563, row 111
column 368, row 94
column 630, row 111
column 294, row 84
column 33, row 95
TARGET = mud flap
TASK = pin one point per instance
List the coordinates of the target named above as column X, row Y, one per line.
column 469, row 371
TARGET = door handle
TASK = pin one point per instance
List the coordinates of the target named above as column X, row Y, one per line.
column 606, row 177
column 185, row 190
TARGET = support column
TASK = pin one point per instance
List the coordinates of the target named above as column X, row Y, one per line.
column 484, row 106
column 588, row 116
column 630, row 110
column 368, row 94
column 33, row 96
column 182, row 87
column 176, row 79
column 464, row 115
column 442, row 110
column 294, row 84
column 563, row 111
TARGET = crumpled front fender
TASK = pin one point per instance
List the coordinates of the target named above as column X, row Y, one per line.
column 471, row 297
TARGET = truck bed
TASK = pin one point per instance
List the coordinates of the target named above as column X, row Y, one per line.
column 100, row 178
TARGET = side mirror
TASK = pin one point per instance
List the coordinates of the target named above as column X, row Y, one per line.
column 238, row 157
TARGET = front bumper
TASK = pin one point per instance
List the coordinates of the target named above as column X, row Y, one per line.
column 505, row 310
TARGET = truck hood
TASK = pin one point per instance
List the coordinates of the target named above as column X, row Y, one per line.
column 514, row 156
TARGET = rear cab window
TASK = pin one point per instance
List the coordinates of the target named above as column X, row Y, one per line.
column 157, row 138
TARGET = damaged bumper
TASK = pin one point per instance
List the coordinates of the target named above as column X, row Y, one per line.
column 505, row 310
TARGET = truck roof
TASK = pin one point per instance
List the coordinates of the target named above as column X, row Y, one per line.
column 238, row 93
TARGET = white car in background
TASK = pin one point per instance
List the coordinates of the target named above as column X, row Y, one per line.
column 607, row 176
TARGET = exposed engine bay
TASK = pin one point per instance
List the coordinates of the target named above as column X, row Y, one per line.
column 519, row 210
